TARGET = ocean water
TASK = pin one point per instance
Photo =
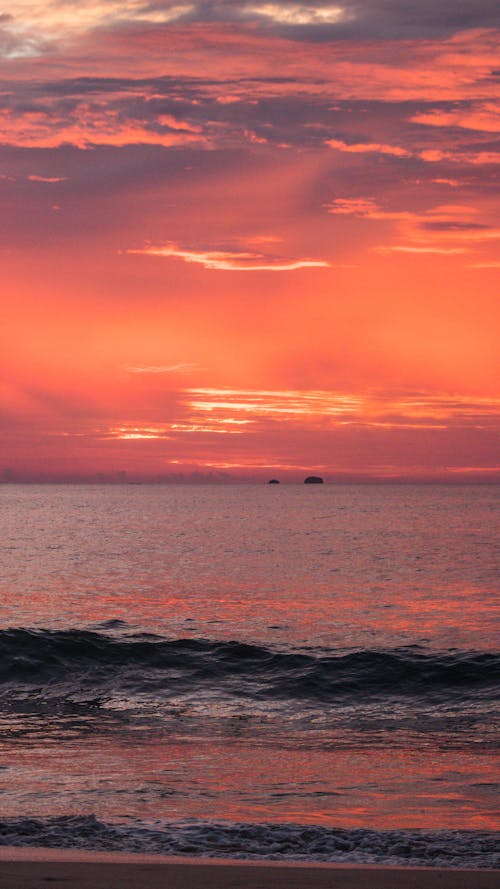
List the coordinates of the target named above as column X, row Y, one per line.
column 251, row 670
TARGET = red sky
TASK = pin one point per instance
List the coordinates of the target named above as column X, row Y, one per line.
column 249, row 238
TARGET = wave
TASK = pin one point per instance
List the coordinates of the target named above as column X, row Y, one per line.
column 443, row 848
column 58, row 662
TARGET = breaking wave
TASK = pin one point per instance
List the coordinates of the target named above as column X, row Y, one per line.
column 443, row 848
column 65, row 662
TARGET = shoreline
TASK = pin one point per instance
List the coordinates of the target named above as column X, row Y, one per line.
column 24, row 867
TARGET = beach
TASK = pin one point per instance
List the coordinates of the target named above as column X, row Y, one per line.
column 35, row 868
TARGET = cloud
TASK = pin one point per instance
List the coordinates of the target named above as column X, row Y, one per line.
column 364, row 207
column 485, row 265
column 453, row 183
column 441, row 229
column 186, row 129
column 473, row 229
column 483, row 116
column 231, row 260
column 297, row 13
column 438, row 217
column 131, row 432
column 368, row 148
column 48, row 179
column 112, row 87
column 428, row 155
column 419, row 409
column 31, row 24
column 367, row 208
column 162, row 369
column 89, row 124
column 33, row 27
column 428, row 248
column 384, row 432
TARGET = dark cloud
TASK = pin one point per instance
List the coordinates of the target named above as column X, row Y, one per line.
column 356, row 19
column 409, row 19
column 84, row 86
column 230, row 112
column 454, row 226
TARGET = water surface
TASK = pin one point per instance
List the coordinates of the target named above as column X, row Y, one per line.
column 219, row 656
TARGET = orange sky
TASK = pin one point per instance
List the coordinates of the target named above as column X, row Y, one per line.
column 249, row 239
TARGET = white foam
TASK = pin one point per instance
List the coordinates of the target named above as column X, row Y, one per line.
column 465, row 848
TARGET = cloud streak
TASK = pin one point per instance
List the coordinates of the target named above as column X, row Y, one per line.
column 368, row 148
column 232, row 261
column 162, row 369
column 447, row 229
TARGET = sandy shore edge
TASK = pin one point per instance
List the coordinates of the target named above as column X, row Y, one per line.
column 33, row 868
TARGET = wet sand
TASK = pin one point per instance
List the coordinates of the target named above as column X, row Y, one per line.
column 27, row 868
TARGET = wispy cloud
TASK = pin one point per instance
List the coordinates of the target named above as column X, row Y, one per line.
column 277, row 403
column 368, row 148
column 48, row 179
column 453, row 183
column 162, row 369
column 445, row 229
column 315, row 408
column 428, row 248
column 367, row 208
column 233, row 261
column 458, row 154
column 136, row 432
column 484, row 265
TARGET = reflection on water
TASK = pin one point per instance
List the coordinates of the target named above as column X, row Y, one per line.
column 338, row 565
column 251, row 777
column 319, row 573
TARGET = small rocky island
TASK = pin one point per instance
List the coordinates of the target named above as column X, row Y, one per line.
column 273, row 481
column 313, row 480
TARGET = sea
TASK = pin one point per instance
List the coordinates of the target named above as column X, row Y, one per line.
column 299, row 672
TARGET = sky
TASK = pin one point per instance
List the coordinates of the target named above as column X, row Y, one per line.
column 243, row 240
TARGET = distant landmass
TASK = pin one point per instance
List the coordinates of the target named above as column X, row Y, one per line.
column 313, row 480
column 274, row 481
